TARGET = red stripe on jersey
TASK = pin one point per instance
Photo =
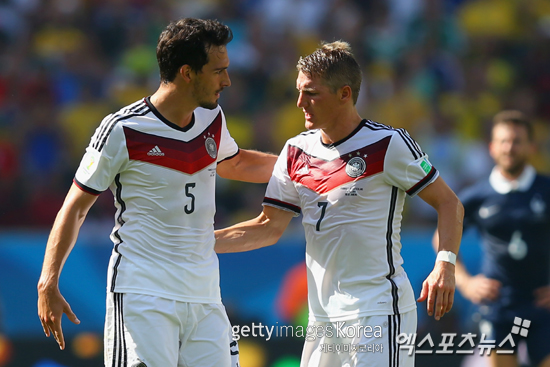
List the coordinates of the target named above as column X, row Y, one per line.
column 187, row 157
column 323, row 176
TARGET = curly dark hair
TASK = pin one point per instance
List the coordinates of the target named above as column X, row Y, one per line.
column 187, row 42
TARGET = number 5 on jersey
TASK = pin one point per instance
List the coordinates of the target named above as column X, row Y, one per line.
column 191, row 208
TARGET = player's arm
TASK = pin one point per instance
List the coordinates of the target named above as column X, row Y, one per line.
column 51, row 304
column 439, row 287
column 264, row 230
column 476, row 288
column 248, row 166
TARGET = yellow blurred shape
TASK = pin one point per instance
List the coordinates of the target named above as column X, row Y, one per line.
column 251, row 354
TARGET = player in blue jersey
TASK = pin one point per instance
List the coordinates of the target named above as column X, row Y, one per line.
column 511, row 211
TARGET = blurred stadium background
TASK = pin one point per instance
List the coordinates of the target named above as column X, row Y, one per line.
column 439, row 68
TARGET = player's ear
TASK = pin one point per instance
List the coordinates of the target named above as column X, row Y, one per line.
column 186, row 73
column 345, row 93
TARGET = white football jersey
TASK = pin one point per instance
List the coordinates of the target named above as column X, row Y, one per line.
column 163, row 180
column 351, row 194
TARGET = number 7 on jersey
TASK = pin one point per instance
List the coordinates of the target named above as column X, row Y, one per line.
column 323, row 206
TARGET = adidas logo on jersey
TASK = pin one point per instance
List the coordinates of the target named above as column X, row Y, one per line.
column 155, row 151
column 303, row 171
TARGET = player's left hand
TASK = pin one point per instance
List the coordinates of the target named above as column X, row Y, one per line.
column 542, row 297
column 439, row 289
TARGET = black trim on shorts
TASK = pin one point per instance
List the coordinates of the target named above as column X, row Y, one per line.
column 120, row 351
column 394, row 329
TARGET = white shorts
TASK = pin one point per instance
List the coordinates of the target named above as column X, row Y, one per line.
column 367, row 341
column 148, row 331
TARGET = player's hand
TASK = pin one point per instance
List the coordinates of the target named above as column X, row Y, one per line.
column 480, row 288
column 439, row 289
column 51, row 307
column 542, row 297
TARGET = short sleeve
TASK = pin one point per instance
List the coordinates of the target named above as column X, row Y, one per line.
column 103, row 159
column 228, row 146
column 406, row 166
column 281, row 192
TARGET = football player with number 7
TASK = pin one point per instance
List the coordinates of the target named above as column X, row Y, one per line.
column 349, row 176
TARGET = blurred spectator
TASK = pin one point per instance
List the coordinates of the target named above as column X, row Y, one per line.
column 440, row 68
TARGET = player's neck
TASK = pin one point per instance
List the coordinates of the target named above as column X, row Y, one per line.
column 172, row 105
column 341, row 128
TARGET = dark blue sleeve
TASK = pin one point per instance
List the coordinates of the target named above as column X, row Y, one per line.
column 471, row 200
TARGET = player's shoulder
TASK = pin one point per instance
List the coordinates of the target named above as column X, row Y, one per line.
column 400, row 137
column 305, row 137
column 542, row 178
column 112, row 124
column 378, row 128
column 542, row 182
column 127, row 113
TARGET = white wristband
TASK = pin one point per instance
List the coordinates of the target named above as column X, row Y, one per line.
column 447, row 256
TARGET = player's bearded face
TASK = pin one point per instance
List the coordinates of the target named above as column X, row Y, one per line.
column 510, row 148
column 206, row 96
column 212, row 79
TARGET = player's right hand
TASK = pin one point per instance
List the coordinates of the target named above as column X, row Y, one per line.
column 51, row 307
column 480, row 288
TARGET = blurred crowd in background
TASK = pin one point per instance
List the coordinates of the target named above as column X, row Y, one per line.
column 439, row 68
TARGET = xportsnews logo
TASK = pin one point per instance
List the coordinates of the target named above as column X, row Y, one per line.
column 466, row 343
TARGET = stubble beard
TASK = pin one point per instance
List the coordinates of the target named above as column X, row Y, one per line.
column 201, row 95
column 515, row 169
column 208, row 105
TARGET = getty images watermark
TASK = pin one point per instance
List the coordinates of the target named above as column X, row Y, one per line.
column 311, row 332
column 337, row 330
column 341, row 332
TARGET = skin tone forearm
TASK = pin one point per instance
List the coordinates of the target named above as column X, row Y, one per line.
column 51, row 304
column 264, row 230
column 438, row 289
column 248, row 166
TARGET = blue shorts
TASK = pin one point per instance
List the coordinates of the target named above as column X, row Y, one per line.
column 497, row 324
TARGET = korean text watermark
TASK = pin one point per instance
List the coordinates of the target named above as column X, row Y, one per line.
column 467, row 343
